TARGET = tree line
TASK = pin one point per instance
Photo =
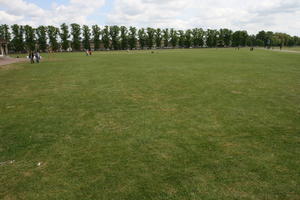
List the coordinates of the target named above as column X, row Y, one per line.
column 25, row 38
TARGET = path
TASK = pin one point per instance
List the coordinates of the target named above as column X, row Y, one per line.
column 283, row 50
column 8, row 60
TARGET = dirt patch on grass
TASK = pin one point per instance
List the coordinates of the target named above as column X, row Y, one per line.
column 4, row 61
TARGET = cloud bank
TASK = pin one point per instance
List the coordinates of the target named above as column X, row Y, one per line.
column 254, row 15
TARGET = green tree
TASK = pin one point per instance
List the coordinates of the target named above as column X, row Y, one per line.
column 96, row 36
column 18, row 38
column 166, row 36
column 132, row 38
column 150, row 37
column 76, row 36
column 142, row 38
column 211, row 38
column 158, row 37
column 188, row 38
column 53, row 33
column 225, row 37
column 5, row 33
column 181, row 38
column 64, row 36
column 29, row 38
column 41, row 33
column 261, row 35
column 105, row 37
column 174, row 37
column 239, row 38
column 124, row 38
column 115, row 38
column 251, row 40
column 86, row 37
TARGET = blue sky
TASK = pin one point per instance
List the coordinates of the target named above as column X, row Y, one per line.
column 254, row 15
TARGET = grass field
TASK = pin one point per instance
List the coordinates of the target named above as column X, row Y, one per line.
column 289, row 48
column 176, row 124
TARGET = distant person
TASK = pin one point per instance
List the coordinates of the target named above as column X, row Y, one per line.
column 281, row 46
column 86, row 52
column 90, row 51
column 31, row 57
column 37, row 56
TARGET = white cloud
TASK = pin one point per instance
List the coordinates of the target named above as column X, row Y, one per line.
column 29, row 13
column 254, row 15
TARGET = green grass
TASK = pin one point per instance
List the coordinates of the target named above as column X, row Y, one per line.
column 176, row 124
column 290, row 48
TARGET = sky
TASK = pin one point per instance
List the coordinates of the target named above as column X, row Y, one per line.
column 251, row 15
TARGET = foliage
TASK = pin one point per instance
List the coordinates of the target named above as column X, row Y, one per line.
column 114, row 32
column 120, row 37
column 174, row 37
column 142, row 38
column 132, row 37
column 76, row 36
column 64, row 36
column 86, row 32
column 188, row 38
column 29, row 38
column 17, row 41
column 150, row 37
column 166, row 37
column 124, row 38
column 158, row 37
column 106, row 37
column 96, row 36
column 53, row 33
column 41, row 33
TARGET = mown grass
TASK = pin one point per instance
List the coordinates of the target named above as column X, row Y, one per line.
column 176, row 124
column 296, row 48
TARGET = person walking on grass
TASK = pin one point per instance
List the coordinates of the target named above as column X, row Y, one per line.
column 37, row 56
column 31, row 57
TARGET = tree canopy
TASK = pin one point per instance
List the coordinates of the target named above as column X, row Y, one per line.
column 25, row 38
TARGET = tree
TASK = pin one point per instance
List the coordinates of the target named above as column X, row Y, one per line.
column 150, row 37
column 86, row 37
column 132, row 37
column 18, row 38
column 96, row 36
column 124, row 38
column 251, row 40
column 4, row 33
column 158, row 38
column 76, row 36
column 114, row 34
column 225, row 37
column 174, row 37
column 41, row 33
column 211, row 38
column 197, row 37
column 166, row 37
column 105, row 37
column 64, row 36
column 262, row 36
column 53, row 33
column 29, row 38
column 188, row 38
column 239, row 38
column 142, row 38
column 181, row 39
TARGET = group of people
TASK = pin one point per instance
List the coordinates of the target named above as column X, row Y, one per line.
column 34, row 57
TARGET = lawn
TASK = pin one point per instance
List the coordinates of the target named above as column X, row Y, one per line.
column 175, row 124
column 297, row 48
